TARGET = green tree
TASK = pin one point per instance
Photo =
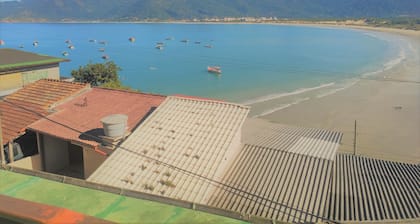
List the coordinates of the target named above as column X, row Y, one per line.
column 98, row 74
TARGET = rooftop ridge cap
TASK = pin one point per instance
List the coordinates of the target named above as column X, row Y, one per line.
column 70, row 97
column 129, row 91
column 62, row 81
column 209, row 100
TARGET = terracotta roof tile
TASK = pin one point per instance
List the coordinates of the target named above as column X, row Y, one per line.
column 30, row 103
column 83, row 113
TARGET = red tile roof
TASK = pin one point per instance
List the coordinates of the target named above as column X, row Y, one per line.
column 30, row 103
column 83, row 114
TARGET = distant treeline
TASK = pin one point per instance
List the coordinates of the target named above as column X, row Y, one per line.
column 140, row 10
column 400, row 22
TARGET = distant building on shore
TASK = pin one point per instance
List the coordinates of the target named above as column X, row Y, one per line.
column 20, row 68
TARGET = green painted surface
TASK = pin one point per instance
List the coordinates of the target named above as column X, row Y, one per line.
column 100, row 204
column 31, row 63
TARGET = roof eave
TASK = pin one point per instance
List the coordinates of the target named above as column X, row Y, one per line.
column 18, row 66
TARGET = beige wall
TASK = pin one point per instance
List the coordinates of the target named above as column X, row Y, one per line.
column 35, row 75
column 20, row 79
column 55, row 153
column 91, row 160
column 31, row 163
column 11, row 81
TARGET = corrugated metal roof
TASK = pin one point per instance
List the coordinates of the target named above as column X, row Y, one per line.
column 276, row 184
column 365, row 189
column 192, row 134
column 12, row 59
column 84, row 113
column 305, row 141
column 30, row 103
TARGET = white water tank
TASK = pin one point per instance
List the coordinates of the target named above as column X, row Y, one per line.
column 115, row 125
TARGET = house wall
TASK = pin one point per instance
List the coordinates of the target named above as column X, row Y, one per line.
column 92, row 160
column 19, row 79
column 43, row 73
column 11, row 81
column 30, row 162
column 55, row 153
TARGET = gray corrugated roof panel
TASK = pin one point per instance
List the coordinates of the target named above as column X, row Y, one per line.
column 365, row 189
column 275, row 184
column 191, row 134
column 305, row 141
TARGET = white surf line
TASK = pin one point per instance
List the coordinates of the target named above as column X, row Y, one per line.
column 338, row 89
column 280, row 95
column 280, row 108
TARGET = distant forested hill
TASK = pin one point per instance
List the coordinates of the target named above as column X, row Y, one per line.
column 188, row 9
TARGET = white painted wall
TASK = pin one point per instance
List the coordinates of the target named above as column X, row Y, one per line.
column 30, row 162
column 91, row 160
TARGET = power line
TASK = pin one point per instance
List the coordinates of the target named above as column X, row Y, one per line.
column 218, row 184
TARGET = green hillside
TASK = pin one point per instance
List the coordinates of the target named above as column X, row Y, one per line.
column 188, row 9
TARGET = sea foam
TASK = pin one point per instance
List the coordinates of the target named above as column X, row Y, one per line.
column 280, row 108
column 280, row 95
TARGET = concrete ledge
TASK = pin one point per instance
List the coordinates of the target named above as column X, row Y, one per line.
column 22, row 211
column 138, row 195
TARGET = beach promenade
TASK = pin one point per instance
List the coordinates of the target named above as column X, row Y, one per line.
column 386, row 107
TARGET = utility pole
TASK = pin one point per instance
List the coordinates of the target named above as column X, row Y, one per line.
column 355, row 136
column 2, row 157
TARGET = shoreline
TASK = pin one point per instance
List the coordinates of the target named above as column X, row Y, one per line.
column 385, row 106
column 351, row 24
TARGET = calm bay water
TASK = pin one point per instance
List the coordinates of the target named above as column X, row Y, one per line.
column 259, row 62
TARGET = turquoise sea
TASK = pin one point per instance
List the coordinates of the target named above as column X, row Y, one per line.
column 260, row 63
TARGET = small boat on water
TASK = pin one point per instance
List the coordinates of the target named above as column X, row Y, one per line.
column 105, row 57
column 67, row 41
column 159, row 46
column 65, row 53
column 132, row 39
column 101, row 49
column 21, row 46
column 169, row 38
column 197, row 42
column 102, row 42
column 208, row 46
column 35, row 43
column 2, row 42
column 92, row 40
column 184, row 41
column 71, row 47
column 214, row 69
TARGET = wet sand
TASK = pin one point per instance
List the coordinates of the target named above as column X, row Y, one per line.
column 386, row 108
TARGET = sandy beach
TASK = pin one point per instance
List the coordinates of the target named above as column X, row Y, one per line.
column 386, row 107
